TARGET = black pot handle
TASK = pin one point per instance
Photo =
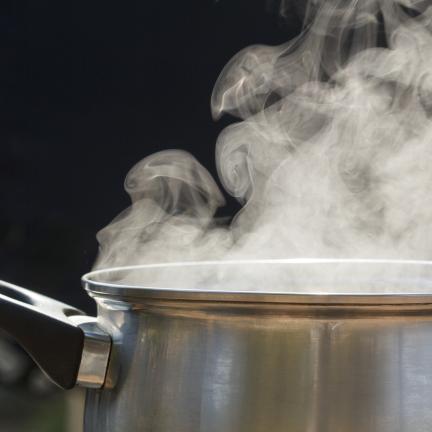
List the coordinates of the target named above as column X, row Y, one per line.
column 67, row 345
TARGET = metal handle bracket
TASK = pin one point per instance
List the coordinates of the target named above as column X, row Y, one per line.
column 95, row 355
column 67, row 345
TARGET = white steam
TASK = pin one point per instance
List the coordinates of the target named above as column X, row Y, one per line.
column 332, row 158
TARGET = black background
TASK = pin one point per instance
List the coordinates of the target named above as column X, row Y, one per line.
column 88, row 88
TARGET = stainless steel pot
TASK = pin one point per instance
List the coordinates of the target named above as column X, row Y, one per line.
column 184, row 360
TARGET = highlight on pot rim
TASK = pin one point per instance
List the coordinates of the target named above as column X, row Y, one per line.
column 279, row 280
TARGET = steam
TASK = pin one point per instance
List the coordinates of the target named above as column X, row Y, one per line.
column 332, row 157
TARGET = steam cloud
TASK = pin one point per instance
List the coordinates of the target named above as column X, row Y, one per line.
column 332, row 157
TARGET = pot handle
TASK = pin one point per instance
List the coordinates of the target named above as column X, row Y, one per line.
column 67, row 345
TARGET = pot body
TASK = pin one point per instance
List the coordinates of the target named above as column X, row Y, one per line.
column 197, row 366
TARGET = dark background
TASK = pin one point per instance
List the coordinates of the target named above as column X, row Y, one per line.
column 87, row 89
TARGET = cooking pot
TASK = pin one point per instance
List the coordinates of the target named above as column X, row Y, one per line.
column 352, row 355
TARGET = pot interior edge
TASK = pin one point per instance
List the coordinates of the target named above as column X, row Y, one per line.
column 312, row 281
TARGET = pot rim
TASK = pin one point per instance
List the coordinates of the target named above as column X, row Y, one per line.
column 100, row 288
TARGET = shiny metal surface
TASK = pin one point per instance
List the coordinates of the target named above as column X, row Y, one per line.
column 395, row 282
column 95, row 354
column 233, row 366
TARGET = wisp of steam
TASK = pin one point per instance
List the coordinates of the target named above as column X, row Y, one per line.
column 331, row 158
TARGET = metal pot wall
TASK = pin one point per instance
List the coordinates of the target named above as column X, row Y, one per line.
column 177, row 360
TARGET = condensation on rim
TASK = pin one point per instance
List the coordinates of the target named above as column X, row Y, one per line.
column 95, row 284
